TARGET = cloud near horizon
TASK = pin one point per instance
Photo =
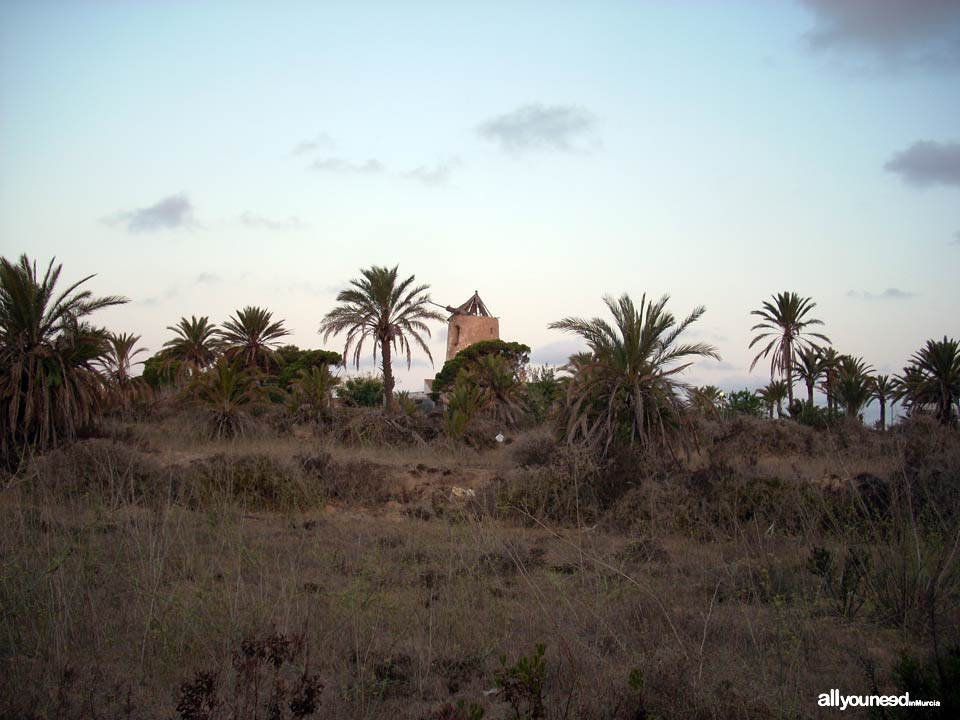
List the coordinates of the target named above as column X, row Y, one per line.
column 254, row 221
column 434, row 176
column 539, row 127
column 927, row 163
column 896, row 32
column 339, row 165
column 888, row 294
column 170, row 213
column 321, row 141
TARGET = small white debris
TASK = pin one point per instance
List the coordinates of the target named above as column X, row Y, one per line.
column 460, row 493
column 499, row 438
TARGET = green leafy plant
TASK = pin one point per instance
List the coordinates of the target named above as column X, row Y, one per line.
column 521, row 684
column 707, row 400
column 361, row 391
column 124, row 390
column 931, row 383
column 853, row 387
column 543, row 392
column 228, row 392
column 745, row 402
column 844, row 584
column 292, row 360
column 311, row 393
column 193, row 348
column 517, row 354
column 464, row 402
column 49, row 356
column 773, row 396
column 627, row 393
column 252, row 336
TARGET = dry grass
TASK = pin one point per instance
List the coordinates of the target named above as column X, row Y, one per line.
column 130, row 567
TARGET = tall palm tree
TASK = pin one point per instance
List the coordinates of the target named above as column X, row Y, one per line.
column 884, row 388
column 49, row 384
column 773, row 395
column 387, row 311
column 627, row 390
column 933, row 378
column 830, row 359
column 810, row 367
column 853, row 389
column 252, row 337
column 784, row 329
column 195, row 346
column 117, row 363
column 911, row 389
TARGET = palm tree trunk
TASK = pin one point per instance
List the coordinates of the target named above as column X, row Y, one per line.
column 788, row 350
column 810, row 392
column 388, row 380
column 883, row 413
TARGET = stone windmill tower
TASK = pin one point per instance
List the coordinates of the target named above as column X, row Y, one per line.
column 470, row 323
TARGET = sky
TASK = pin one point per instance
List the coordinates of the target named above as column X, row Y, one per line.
column 201, row 157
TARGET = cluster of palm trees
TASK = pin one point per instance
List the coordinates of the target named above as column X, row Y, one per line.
column 54, row 364
column 929, row 383
column 59, row 371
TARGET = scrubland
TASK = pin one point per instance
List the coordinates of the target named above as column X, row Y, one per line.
column 378, row 572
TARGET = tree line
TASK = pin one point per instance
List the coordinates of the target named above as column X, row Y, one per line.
column 60, row 371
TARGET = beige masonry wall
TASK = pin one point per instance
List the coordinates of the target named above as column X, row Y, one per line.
column 465, row 330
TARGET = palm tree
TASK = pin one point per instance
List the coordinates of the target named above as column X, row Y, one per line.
column 810, row 367
column 784, row 328
column 853, row 388
column 706, row 400
column 117, row 364
column 312, row 392
column 933, row 378
column 501, row 387
column 226, row 391
column 627, row 390
column 195, row 346
column 830, row 359
column 49, row 383
column 252, row 337
column 773, row 395
column 884, row 388
column 389, row 312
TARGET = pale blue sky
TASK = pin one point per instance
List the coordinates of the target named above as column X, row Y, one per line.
column 204, row 156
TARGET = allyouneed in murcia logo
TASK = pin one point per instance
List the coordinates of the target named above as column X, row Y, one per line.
column 836, row 700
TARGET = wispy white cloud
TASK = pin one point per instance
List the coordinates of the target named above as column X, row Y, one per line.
column 888, row 294
column 321, row 141
column 259, row 222
column 170, row 213
column 435, row 175
column 339, row 165
column 539, row 127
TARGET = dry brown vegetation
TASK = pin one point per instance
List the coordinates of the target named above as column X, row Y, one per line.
column 383, row 573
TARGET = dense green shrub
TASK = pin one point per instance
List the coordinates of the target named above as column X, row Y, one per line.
column 293, row 360
column 362, row 391
column 745, row 402
column 517, row 353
